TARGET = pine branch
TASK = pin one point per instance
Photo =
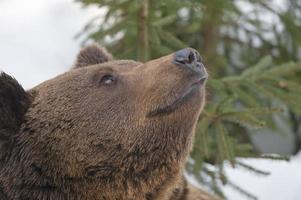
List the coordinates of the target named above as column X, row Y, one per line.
column 242, row 191
column 252, row 169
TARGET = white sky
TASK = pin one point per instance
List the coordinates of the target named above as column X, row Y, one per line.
column 37, row 43
column 37, row 37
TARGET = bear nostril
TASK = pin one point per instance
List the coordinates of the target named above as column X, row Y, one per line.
column 185, row 56
column 188, row 58
column 191, row 57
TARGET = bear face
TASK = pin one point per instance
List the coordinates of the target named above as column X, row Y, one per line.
column 107, row 129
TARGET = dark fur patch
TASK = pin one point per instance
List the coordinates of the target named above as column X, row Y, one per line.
column 92, row 55
column 2, row 195
column 14, row 102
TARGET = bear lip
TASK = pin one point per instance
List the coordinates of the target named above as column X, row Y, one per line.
column 186, row 95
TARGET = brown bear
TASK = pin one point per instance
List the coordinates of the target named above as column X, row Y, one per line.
column 105, row 130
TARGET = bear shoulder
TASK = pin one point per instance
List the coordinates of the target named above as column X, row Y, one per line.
column 195, row 193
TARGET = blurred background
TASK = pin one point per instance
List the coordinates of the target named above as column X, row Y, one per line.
column 249, row 137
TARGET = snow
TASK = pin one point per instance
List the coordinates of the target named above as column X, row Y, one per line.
column 284, row 182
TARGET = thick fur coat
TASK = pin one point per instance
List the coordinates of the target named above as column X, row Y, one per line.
column 106, row 130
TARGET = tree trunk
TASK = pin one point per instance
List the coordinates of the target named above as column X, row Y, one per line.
column 210, row 30
column 143, row 40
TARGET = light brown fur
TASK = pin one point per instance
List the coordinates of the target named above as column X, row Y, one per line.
column 83, row 139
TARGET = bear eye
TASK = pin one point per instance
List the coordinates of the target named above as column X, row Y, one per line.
column 107, row 79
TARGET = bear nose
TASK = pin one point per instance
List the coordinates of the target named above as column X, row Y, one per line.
column 190, row 58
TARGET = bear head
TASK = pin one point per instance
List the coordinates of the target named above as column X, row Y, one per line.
column 112, row 129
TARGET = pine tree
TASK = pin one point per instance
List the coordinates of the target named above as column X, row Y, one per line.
column 252, row 63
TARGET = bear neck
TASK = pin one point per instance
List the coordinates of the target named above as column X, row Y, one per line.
column 24, row 180
column 144, row 175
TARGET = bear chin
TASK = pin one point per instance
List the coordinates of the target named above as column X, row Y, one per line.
column 195, row 91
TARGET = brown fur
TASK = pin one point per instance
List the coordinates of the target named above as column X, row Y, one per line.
column 92, row 55
column 83, row 139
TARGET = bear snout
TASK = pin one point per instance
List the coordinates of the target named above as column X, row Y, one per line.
column 190, row 59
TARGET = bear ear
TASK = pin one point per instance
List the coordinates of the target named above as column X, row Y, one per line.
column 14, row 102
column 91, row 55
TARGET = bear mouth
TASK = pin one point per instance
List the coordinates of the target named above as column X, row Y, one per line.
column 184, row 97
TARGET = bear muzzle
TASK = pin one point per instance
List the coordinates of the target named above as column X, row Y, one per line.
column 190, row 59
